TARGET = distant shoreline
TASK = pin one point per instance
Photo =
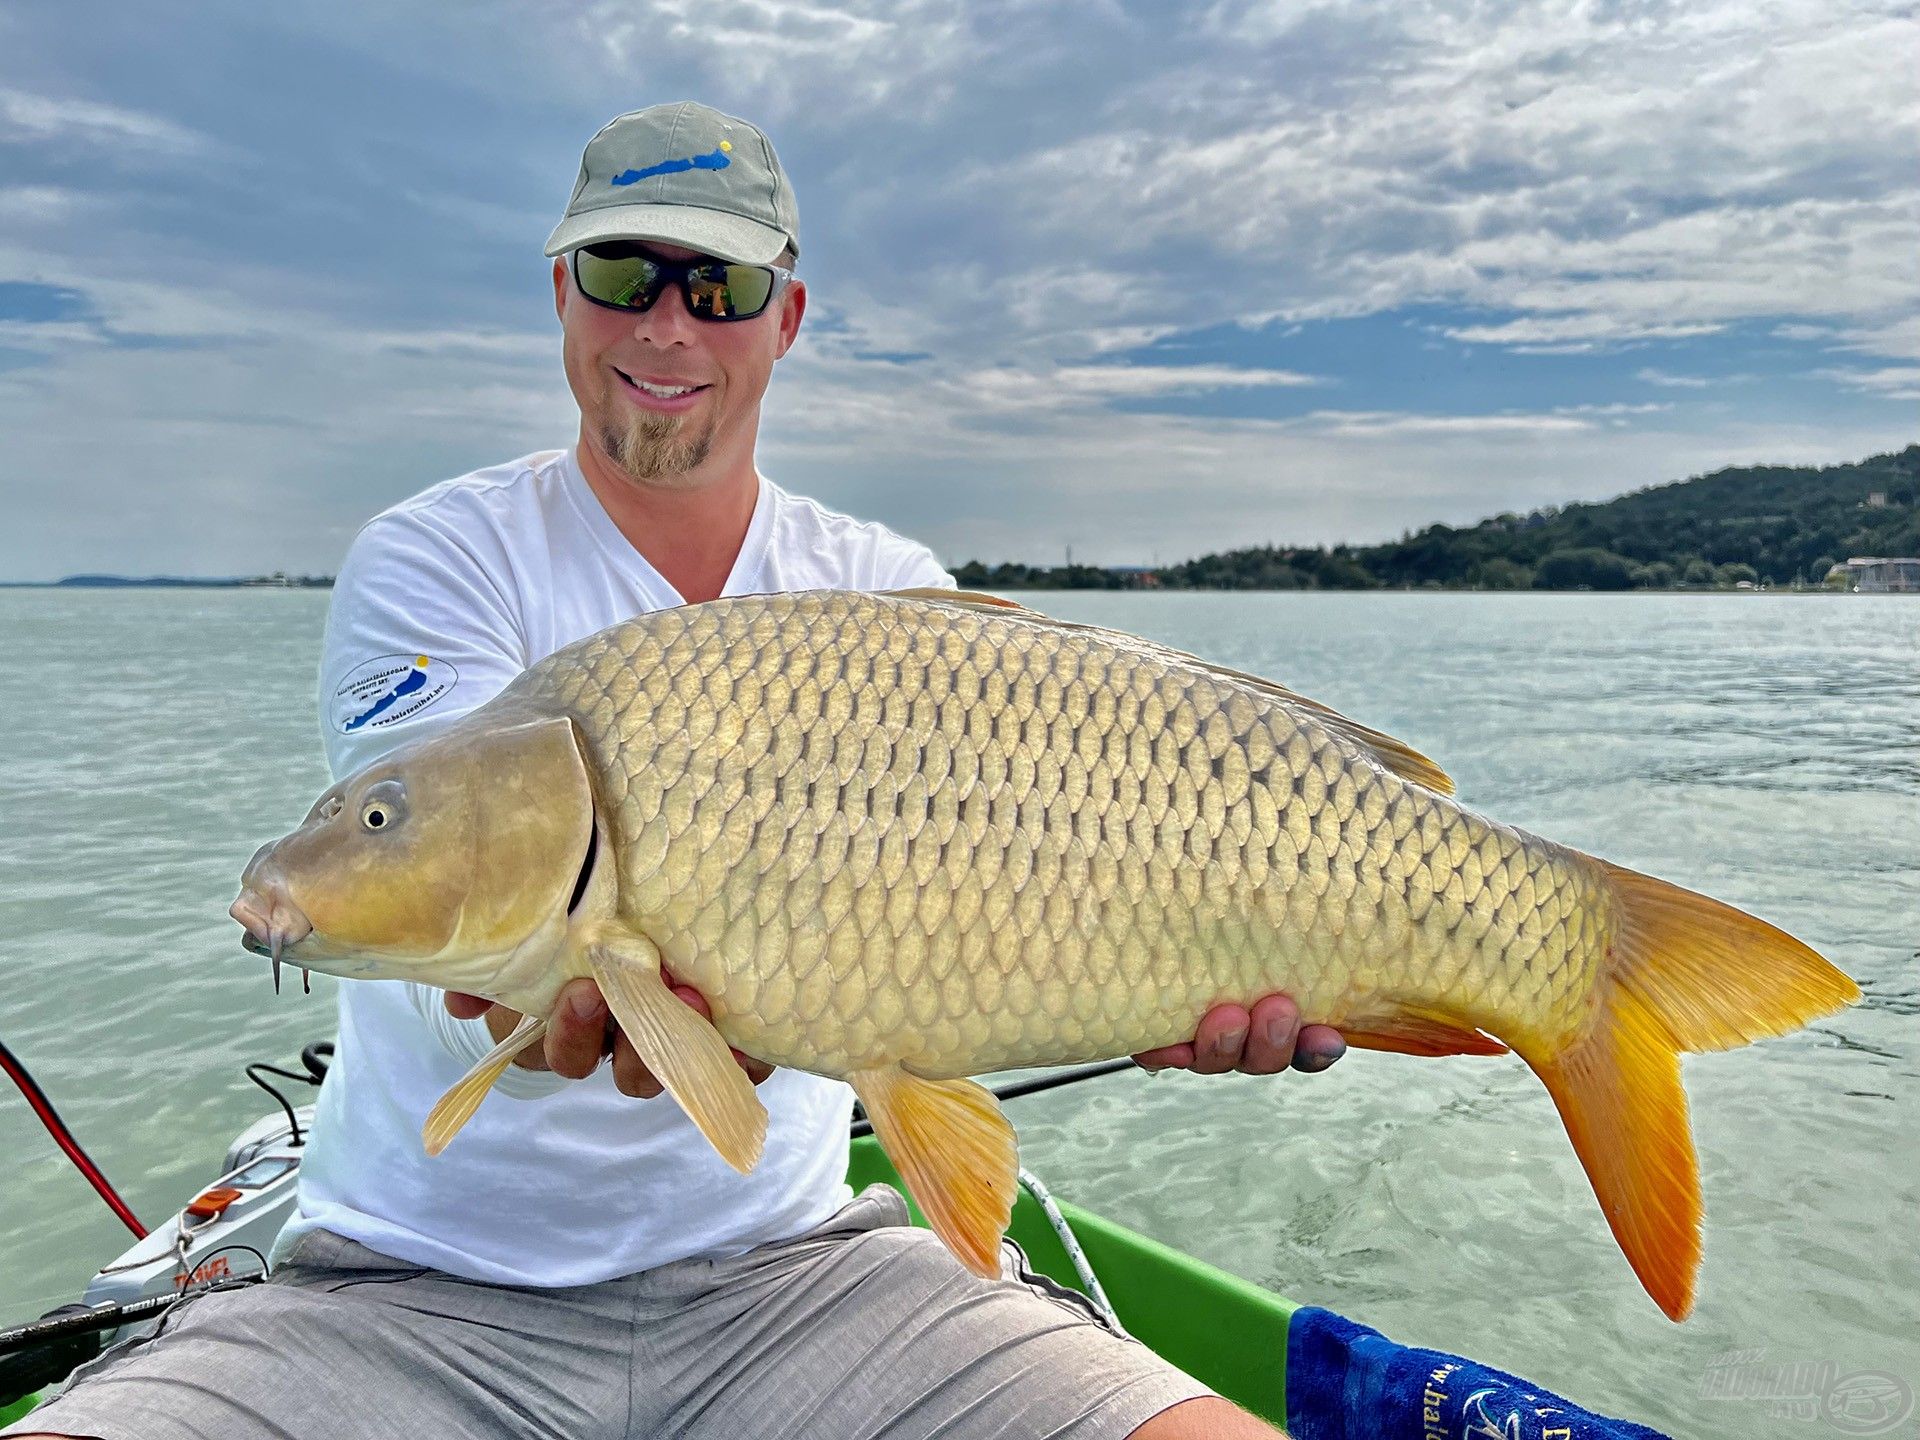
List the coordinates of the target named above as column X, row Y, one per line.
column 175, row 582
column 325, row 582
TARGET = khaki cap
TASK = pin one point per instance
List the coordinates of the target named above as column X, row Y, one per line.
column 682, row 174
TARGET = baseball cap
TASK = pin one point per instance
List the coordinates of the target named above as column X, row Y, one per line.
column 683, row 174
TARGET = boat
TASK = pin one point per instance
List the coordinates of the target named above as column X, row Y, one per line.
column 1234, row 1336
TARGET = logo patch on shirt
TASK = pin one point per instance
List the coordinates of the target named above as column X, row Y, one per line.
column 387, row 690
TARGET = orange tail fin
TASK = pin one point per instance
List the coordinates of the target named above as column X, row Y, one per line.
column 1685, row 973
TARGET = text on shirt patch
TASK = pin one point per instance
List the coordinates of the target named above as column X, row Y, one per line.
column 388, row 689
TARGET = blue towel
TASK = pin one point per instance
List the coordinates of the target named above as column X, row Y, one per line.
column 1346, row 1382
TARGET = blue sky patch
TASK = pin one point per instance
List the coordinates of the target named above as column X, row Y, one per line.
column 41, row 304
column 1406, row 360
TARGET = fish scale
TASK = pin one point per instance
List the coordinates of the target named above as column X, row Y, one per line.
column 991, row 762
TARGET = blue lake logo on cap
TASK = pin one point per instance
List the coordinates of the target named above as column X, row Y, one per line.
column 712, row 160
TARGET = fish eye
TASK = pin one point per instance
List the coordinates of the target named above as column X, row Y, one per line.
column 383, row 806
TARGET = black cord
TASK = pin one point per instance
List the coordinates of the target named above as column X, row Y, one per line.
column 318, row 1058
column 233, row 1279
column 293, row 1121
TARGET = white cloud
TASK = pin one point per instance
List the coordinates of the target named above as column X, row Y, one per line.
column 1021, row 197
column 28, row 118
column 1611, row 174
column 907, row 57
column 1572, row 330
column 1893, row 382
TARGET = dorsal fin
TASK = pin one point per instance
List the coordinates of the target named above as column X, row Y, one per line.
column 969, row 599
column 1393, row 755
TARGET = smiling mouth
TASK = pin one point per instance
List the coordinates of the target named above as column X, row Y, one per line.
column 654, row 391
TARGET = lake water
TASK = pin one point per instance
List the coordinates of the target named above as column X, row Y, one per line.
column 1765, row 749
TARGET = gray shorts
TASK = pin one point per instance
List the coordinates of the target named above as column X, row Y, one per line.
column 862, row 1327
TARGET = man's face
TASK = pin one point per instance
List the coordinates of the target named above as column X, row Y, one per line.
column 618, row 362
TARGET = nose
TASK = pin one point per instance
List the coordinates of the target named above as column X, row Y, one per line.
column 667, row 321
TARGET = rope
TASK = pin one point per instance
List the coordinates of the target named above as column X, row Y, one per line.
column 1070, row 1242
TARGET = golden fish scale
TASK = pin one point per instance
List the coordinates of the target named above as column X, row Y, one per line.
column 876, row 829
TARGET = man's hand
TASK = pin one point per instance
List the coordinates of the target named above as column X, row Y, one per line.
column 1263, row 1041
column 581, row 1032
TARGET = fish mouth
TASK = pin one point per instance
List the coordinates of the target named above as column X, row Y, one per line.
column 271, row 921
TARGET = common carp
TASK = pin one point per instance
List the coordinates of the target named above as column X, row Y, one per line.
column 902, row 839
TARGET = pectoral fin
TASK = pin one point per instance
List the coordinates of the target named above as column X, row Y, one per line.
column 683, row 1050
column 956, row 1152
column 456, row 1107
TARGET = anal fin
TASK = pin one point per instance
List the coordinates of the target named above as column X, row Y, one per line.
column 1417, row 1032
column 683, row 1050
column 456, row 1107
column 956, row 1152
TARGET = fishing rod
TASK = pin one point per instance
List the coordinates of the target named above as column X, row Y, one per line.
column 863, row 1126
column 63, row 1137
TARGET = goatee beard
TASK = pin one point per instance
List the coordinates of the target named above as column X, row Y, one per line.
column 655, row 447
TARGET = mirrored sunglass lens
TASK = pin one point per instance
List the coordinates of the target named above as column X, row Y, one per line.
column 619, row 280
column 729, row 292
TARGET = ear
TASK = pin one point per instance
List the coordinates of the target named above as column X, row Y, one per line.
column 562, row 284
column 793, row 305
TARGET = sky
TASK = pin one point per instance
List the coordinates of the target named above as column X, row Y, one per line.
column 1141, row 280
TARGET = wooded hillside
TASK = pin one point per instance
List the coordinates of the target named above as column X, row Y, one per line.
column 1775, row 525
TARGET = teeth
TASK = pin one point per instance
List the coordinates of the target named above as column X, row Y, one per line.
column 664, row 392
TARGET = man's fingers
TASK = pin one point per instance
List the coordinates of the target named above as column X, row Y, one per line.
column 1220, row 1040
column 694, row 998
column 630, row 1073
column 1271, row 1036
column 577, row 1031
column 465, row 1007
column 1167, row 1057
column 1317, row 1048
column 1262, row 1041
column 756, row 1072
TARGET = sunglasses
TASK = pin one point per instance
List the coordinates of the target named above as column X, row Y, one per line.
column 622, row 276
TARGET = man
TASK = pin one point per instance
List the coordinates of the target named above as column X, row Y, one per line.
column 580, row 1264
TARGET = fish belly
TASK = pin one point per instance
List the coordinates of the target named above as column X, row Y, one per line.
column 871, row 830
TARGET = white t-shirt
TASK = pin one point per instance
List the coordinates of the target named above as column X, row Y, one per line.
column 440, row 602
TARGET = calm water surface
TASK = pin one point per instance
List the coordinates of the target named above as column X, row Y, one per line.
column 1764, row 749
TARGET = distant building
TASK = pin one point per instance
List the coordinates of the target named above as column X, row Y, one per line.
column 1137, row 577
column 1869, row 573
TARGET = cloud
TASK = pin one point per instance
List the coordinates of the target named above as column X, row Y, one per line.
column 1572, row 330
column 1892, row 382
column 906, row 57
column 27, row 118
column 1018, row 219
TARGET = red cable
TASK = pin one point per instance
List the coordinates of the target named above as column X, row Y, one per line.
column 63, row 1137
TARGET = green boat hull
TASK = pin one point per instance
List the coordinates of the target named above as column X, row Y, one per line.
column 1226, row 1333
